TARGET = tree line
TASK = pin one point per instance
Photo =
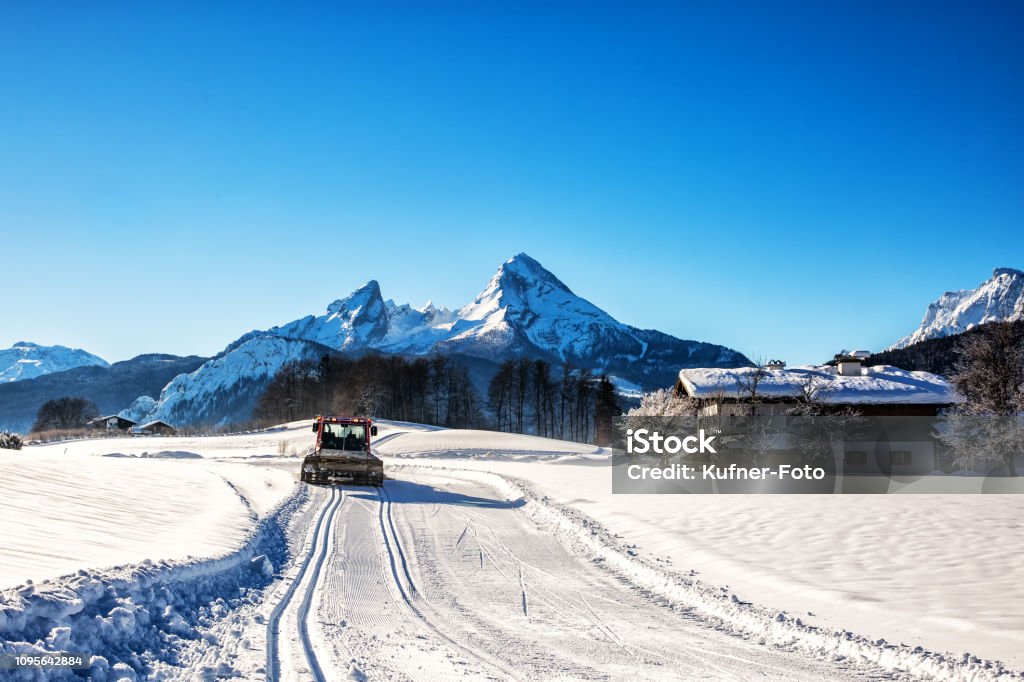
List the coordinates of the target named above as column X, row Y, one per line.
column 426, row 390
column 524, row 396
column 940, row 355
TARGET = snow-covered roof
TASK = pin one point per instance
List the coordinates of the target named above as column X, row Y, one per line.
column 112, row 416
column 156, row 422
column 881, row 384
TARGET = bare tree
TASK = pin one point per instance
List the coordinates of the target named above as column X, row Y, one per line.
column 989, row 370
column 65, row 413
column 989, row 376
column 748, row 384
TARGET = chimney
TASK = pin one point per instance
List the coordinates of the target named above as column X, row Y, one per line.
column 851, row 364
column 775, row 364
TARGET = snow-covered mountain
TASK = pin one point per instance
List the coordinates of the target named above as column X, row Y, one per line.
column 226, row 388
column 111, row 388
column 1001, row 297
column 26, row 360
column 355, row 322
column 524, row 311
column 139, row 408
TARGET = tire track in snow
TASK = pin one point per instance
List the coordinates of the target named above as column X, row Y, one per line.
column 411, row 598
column 307, row 601
column 273, row 665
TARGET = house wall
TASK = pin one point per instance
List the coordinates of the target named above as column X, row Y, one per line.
column 896, row 458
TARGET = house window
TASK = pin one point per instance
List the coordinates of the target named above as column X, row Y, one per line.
column 900, row 458
column 857, row 458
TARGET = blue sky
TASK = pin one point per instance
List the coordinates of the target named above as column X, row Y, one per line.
column 786, row 179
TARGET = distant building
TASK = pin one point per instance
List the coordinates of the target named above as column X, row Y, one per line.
column 112, row 422
column 155, row 428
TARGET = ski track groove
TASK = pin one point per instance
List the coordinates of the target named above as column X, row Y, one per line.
column 273, row 663
column 305, row 607
column 394, row 545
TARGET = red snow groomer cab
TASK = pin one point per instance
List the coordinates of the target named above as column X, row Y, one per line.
column 342, row 453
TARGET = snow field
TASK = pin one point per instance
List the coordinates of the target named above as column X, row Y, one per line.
column 722, row 607
column 932, row 570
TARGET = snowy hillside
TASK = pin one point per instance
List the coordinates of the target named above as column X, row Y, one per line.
column 26, row 360
column 226, row 388
column 523, row 311
column 999, row 298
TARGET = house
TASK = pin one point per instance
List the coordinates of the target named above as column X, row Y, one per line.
column 880, row 391
column 111, row 422
column 902, row 406
column 155, row 428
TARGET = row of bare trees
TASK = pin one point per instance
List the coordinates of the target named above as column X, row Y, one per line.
column 526, row 396
column 431, row 391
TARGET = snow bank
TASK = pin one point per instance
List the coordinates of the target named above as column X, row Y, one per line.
column 145, row 618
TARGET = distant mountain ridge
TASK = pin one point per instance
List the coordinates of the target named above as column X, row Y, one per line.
column 26, row 360
column 936, row 355
column 524, row 311
column 999, row 298
column 112, row 388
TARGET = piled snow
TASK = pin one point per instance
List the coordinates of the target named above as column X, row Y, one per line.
column 885, row 580
column 151, row 619
column 1000, row 297
column 157, row 547
column 875, row 385
column 25, row 360
column 937, row 571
